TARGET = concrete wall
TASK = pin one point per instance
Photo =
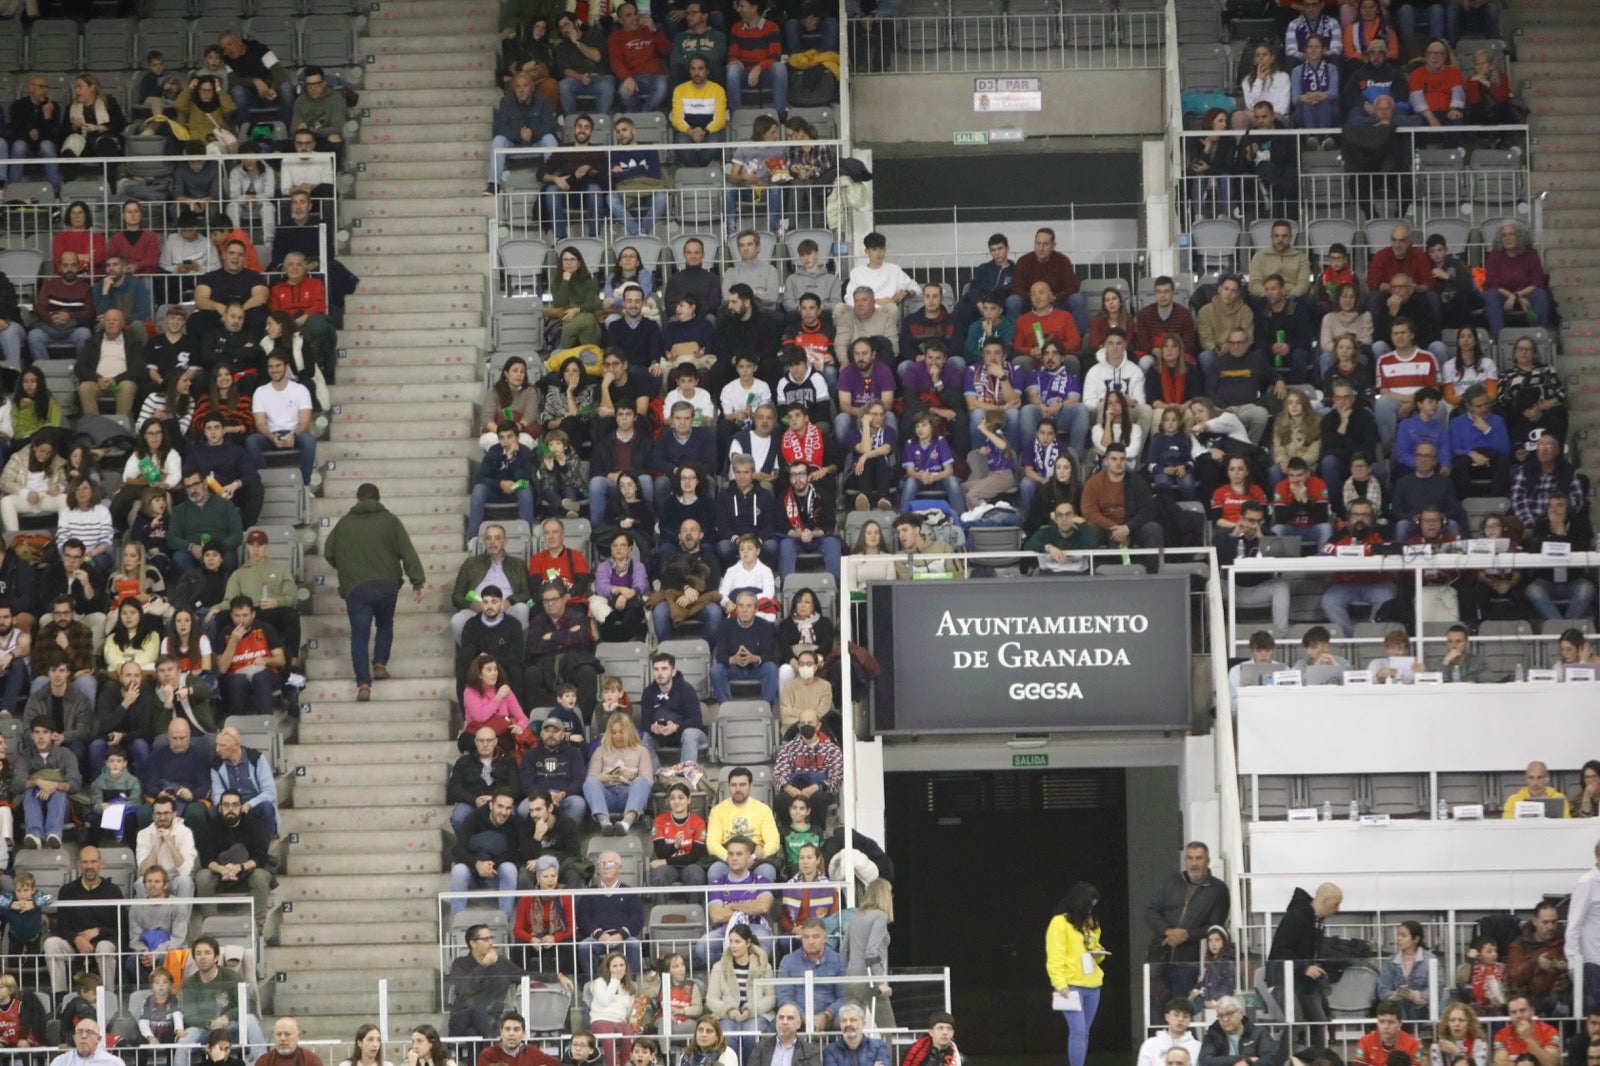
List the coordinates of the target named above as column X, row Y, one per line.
column 897, row 108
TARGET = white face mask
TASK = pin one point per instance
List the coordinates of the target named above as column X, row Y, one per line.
column 806, row 672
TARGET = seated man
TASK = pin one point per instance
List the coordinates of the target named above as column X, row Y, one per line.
column 246, row 773
column 745, row 508
column 280, row 597
column 1525, row 1034
column 1348, row 588
column 690, row 579
column 1458, row 662
column 201, row 521
column 493, row 566
column 810, row 765
column 1234, row 1040
column 1537, row 788
column 87, row 931
column 112, row 362
column 304, row 296
column 251, row 662
column 817, row 958
column 740, row 901
column 282, row 410
column 755, row 58
column 233, row 860
column 1263, row 656
column 1480, row 446
column 506, row 475
column 560, row 650
column 178, row 770
column 476, row 986
column 1300, row 506
column 168, row 844
column 669, row 710
column 223, row 458
column 608, row 920
column 63, row 310
column 809, row 521
column 746, row 650
column 741, row 816
column 485, row 852
column 1559, row 525
column 210, row 999
column 1318, row 645
column 46, row 775
column 1243, row 541
column 1398, row 665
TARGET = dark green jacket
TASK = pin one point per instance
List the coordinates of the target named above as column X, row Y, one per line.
column 370, row 544
column 471, row 574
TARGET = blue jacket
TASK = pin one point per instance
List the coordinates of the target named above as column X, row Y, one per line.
column 498, row 466
column 872, row 1050
column 251, row 777
column 165, row 768
column 699, row 451
column 1464, row 436
column 1413, row 431
column 829, row 997
column 511, row 114
column 560, row 770
column 680, row 704
column 599, row 911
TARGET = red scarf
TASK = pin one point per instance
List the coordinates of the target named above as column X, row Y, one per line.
column 798, row 518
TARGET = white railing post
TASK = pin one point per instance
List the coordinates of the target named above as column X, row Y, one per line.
column 383, row 1007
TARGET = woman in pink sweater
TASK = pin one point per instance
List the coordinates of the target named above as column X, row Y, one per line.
column 490, row 702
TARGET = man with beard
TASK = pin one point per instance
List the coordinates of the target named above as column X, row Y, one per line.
column 233, row 855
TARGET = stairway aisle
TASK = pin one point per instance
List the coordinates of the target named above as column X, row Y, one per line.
column 1558, row 57
column 368, row 798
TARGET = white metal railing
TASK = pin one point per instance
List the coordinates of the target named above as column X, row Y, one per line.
column 1048, row 39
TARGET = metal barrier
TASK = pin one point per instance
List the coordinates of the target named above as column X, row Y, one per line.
column 1439, row 180
column 32, row 213
column 986, row 41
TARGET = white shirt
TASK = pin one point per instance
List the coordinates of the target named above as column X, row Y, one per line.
column 101, row 1057
column 281, row 407
column 1583, row 919
column 113, row 357
column 1153, row 1052
column 736, row 397
column 704, row 407
column 182, row 841
column 296, row 170
column 1102, row 378
column 171, row 472
column 884, row 282
column 759, row 447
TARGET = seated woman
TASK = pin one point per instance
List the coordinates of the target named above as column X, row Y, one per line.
column 1064, row 484
column 33, row 482
column 545, row 923
column 224, row 396
column 512, row 398
column 620, row 587
column 79, row 235
column 620, row 776
column 805, row 628
column 574, row 300
column 155, row 463
column 1470, row 366
column 96, row 122
column 137, row 580
column 1117, row 424
column 1514, row 281
column 1531, row 394
column 628, row 512
column 488, row 701
column 1404, row 976
column 629, row 270
column 609, row 1000
column 88, row 520
column 1296, row 434
column 1228, row 498
column 869, row 469
column 1218, row 435
column 1348, row 316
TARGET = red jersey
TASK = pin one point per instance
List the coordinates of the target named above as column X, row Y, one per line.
column 1056, row 325
column 1405, row 376
column 306, row 298
column 1544, row 1035
column 1371, row 1052
column 1368, row 577
column 252, row 650
column 564, row 567
column 1227, row 500
column 1302, row 515
column 1440, row 90
column 680, row 838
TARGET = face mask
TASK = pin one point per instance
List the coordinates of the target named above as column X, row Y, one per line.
column 808, row 731
column 806, row 672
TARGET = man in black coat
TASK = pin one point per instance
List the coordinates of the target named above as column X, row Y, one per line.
column 1298, row 941
column 1185, row 905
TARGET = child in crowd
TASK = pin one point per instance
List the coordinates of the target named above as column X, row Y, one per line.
column 1484, row 975
column 1336, row 271
column 22, row 912
column 115, row 787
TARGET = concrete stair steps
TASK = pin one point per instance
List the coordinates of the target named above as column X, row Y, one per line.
column 445, row 38
column 443, row 188
column 381, row 335
column 375, row 817
column 308, row 914
column 383, row 376
column 1574, row 124
column 339, row 696
column 377, row 80
column 407, row 794
column 440, row 541
column 1546, row 13
column 374, row 732
column 399, row 669
column 353, row 992
column 387, row 60
column 373, row 861
column 434, row 138
column 1569, row 180
column 419, row 284
column 331, row 647
column 422, row 207
column 322, row 507
column 397, row 753
column 443, row 570
column 362, row 243
column 468, row 389
column 372, row 355
column 381, row 431
column 427, row 10
column 378, row 469
column 480, row 95
column 400, row 449
column 322, row 843
column 1533, row 38
column 419, row 264
column 1552, row 50
column 406, row 156
column 392, row 957
column 317, row 627
column 1556, row 218
column 379, row 173
column 436, row 226
column 364, row 934
column 1557, row 258
column 436, row 116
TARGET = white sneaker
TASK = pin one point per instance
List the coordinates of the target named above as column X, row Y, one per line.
column 296, row 679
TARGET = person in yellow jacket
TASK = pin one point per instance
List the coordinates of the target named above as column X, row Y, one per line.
column 1072, row 957
column 699, row 113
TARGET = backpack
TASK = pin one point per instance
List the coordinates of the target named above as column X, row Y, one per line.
column 813, row 87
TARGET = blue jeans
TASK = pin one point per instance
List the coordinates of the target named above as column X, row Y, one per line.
column 602, row 89
column 742, row 1036
column 765, row 672
column 1578, row 592
column 606, row 800
column 651, row 94
column 44, row 150
column 572, row 808
column 247, row 100
column 602, row 490
column 952, row 490
column 1079, row 1022
column 368, row 602
column 775, row 77
column 304, row 443
column 589, row 201
column 251, row 694
column 790, row 549
column 85, row 685
column 1184, row 487
column 1337, row 601
column 11, row 339
column 464, row 878
column 496, row 169
column 1494, row 308
column 483, row 495
column 711, row 615
column 720, row 869
column 14, row 687
column 1072, row 426
column 793, row 45
column 690, row 741
column 46, row 819
column 43, row 334
column 772, row 202
column 1406, row 17
column 635, row 225
column 1317, row 116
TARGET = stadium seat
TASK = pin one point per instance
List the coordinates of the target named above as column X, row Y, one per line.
column 1399, row 795
column 745, row 732
column 709, row 240
column 649, row 127
column 760, row 782
column 1214, row 243
column 328, row 41
column 1325, row 232
column 55, row 45
column 694, row 662
column 820, row 582
column 630, row 662
column 109, row 47
column 522, row 266
column 630, row 848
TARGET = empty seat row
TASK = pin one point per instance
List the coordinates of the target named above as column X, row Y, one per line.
column 1397, row 795
column 121, row 44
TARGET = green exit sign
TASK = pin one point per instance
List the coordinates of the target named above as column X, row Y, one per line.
column 972, row 137
column 1035, row 760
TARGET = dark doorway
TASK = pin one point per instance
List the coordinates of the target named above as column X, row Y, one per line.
column 981, row 860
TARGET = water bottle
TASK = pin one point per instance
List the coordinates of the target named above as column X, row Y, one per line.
column 1444, row 810
column 1520, row 675
column 1327, row 811
column 1355, row 810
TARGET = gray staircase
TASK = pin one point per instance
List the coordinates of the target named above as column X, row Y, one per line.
column 367, row 808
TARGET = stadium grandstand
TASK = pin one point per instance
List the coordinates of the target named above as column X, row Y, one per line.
column 585, row 532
